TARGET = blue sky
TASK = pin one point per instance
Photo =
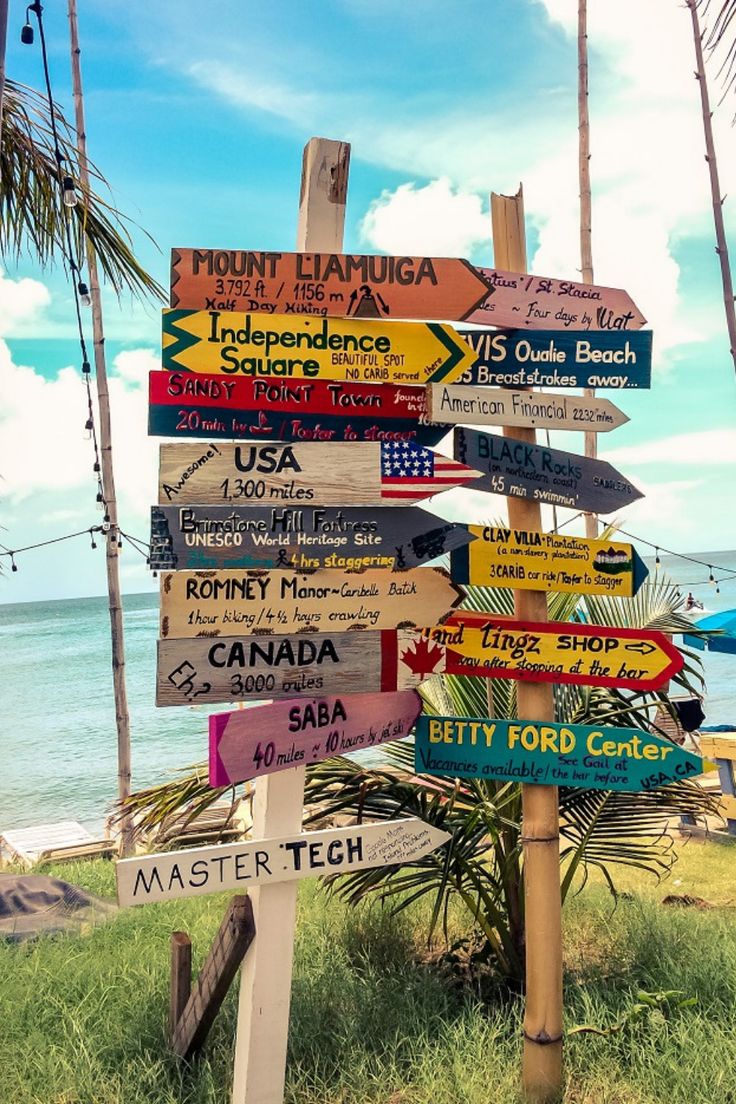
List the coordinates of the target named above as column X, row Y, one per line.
column 198, row 122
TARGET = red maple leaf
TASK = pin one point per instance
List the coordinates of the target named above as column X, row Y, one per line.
column 422, row 657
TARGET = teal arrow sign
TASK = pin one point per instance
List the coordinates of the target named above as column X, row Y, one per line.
column 550, row 754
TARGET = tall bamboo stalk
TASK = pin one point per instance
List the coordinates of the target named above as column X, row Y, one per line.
column 3, row 41
column 715, row 187
column 586, row 212
column 115, row 602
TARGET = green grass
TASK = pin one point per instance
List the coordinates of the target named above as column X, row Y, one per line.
column 83, row 1019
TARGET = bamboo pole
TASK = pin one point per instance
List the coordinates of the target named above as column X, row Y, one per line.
column 715, row 186
column 542, row 1061
column 115, row 602
column 3, row 42
column 586, row 213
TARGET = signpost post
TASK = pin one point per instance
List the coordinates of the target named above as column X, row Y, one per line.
column 533, row 409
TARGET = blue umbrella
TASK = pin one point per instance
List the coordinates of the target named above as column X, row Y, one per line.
column 725, row 622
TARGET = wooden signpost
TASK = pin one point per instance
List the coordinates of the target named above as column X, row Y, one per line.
column 187, row 404
column 220, row 603
column 521, row 469
column 506, row 557
column 248, row 743
column 365, row 473
column 549, row 754
column 326, row 284
column 521, row 300
column 172, row 875
column 290, row 346
column 481, row 406
column 352, row 538
column 555, row 358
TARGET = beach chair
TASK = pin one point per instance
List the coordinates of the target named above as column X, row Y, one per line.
column 27, row 845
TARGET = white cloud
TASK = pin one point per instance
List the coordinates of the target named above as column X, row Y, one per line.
column 437, row 220
column 22, row 303
column 707, row 448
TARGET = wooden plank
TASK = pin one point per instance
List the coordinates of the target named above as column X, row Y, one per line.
column 181, row 978
column 326, row 283
column 518, row 469
column 728, row 807
column 555, row 358
column 298, row 537
column 463, row 405
column 364, row 473
column 295, row 347
column 230, row 945
column 187, row 404
column 249, row 743
column 173, row 875
column 539, row 302
column 506, row 557
column 220, row 603
column 547, row 754
column 720, row 746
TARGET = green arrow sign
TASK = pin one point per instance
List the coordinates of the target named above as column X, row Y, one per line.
column 550, row 754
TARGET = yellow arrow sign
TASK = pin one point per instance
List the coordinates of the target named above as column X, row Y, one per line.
column 312, row 347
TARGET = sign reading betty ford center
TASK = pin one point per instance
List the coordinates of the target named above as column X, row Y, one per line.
column 523, row 470
column 303, row 347
column 547, row 561
column 148, row 879
column 351, row 538
column 322, row 284
column 220, row 603
column 551, row 358
column 481, row 406
column 539, row 301
column 550, row 754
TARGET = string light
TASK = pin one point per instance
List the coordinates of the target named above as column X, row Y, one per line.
column 69, row 192
column 84, row 296
column 657, row 559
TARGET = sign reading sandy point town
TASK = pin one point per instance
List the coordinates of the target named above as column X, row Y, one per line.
column 335, row 284
column 481, row 406
column 506, row 557
column 188, row 404
column 549, row 754
column 248, row 743
column 224, row 602
column 540, row 302
column 282, row 346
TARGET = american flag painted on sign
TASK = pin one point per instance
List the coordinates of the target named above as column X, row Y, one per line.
column 409, row 471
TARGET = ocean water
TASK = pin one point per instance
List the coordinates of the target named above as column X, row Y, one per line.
column 57, row 720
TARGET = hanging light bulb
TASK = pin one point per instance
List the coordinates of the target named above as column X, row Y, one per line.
column 88, row 430
column 86, row 369
column 26, row 33
column 13, row 564
column 84, row 296
column 710, row 577
column 69, row 192
column 92, row 537
column 656, row 558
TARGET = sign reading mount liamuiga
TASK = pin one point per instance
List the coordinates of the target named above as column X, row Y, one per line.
column 523, row 470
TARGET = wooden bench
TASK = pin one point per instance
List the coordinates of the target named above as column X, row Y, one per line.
column 721, row 746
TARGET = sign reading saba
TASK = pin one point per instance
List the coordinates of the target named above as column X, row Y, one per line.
column 186, row 404
column 248, row 743
column 351, row 538
column 148, row 879
column 304, row 347
column 551, row 358
column 547, row 561
column 220, row 603
column 333, row 284
column 539, row 302
column 364, row 473
column 550, row 754
column 522, row 470
column 479, row 406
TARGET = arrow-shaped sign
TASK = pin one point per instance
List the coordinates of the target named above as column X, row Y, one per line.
column 364, row 473
column 248, row 743
column 523, row 470
column 480, row 406
column 540, row 302
column 351, row 538
column 219, row 603
column 287, row 346
column 187, row 404
column 549, row 754
column 148, row 879
column 333, row 284
column 506, row 557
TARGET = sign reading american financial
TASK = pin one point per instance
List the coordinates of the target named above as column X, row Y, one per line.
column 303, row 347
column 547, row 561
column 480, row 406
column 351, row 538
column 539, row 302
column 551, row 358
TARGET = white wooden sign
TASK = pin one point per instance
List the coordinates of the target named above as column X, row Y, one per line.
column 460, row 405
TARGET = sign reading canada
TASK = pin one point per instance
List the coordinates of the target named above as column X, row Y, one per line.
column 506, row 557
column 548, row 754
column 521, row 300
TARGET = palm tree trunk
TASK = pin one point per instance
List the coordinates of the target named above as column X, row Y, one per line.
column 586, row 217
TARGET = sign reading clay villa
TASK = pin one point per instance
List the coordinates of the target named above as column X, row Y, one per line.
column 549, row 754
column 539, row 302
column 481, row 406
column 351, row 538
column 523, row 470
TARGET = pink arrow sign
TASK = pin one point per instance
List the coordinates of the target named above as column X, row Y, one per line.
column 268, row 738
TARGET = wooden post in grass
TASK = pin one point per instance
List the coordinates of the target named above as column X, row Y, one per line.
column 265, row 988
column 181, row 978
column 586, row 246
column 542, row 1063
